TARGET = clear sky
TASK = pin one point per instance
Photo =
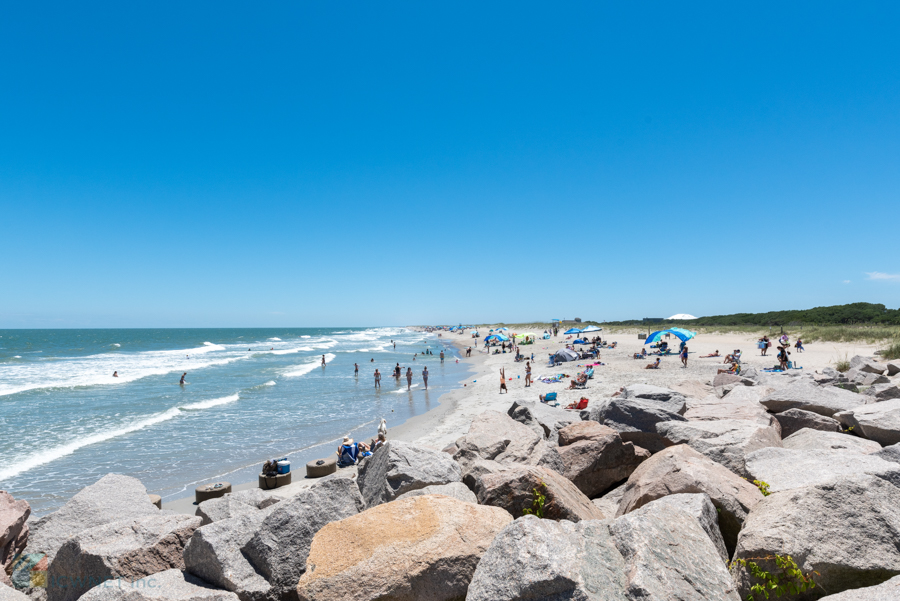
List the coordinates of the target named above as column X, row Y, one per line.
column 364, row 163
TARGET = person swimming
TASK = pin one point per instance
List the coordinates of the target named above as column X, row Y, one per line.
column 115, row 374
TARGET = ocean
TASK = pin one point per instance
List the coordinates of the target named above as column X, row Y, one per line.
column 250, row 395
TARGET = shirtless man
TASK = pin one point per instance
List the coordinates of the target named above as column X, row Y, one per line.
column 182, row 378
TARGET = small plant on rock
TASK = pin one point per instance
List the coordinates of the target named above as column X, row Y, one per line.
column 537, row 504
column 790, row 580
column 762, row 486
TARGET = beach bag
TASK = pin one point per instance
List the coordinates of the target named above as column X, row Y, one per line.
column 270, row 468
column 550, row 396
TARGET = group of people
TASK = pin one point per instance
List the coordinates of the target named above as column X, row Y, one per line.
column 350, row 452
column 398, row 373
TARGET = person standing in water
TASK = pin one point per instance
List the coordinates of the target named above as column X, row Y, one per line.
column 182, row 378
column 425, row 376
column 323, row 360
column 442, row 357
column 355, row 369
column 377, row 378
column 409, row 378
column 115, row 374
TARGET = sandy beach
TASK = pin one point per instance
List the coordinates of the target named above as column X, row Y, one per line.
column 481, row 392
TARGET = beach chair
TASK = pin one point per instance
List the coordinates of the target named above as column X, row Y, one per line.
column 589, row 372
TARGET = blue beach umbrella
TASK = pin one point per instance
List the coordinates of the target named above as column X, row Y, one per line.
column 572, row 331
column 592, row 329
column 681, row 334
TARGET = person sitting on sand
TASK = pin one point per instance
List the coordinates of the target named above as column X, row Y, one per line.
column 783, row 358
column 349, row 451
column 653, row 365
column 716, row 354
column 379, row 442
column 581, row 404
column 734, row 369
column 580, row 380
column 619, row 391
column 547, row 398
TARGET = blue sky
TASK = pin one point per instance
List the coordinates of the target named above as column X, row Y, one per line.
column 357, row 163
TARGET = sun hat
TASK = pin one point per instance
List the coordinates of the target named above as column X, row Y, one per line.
column 348, row 440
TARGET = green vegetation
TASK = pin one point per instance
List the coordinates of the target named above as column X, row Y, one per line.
column 789, row 580
column 891, row 352
column 852, row 314
column 763, row 487
column 537, row 504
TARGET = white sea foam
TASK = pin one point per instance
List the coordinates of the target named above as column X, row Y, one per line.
column 94, row 370
column 270, row 383
column 116, row 344
column 305, row 368
column 305, row 336
column 211, row 403
column 32, row 460
column 275, row 339
column 405, row 390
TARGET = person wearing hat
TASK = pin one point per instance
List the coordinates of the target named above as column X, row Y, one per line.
column 349, row 452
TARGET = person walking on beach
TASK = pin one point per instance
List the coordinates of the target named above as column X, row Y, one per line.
column 182, row 378
column 442, row 357
column 425, row 376
column 503, row 381
column 684, row 354
column 323, row 360
column 527, row 374
column 377, row 378
column 409, row 378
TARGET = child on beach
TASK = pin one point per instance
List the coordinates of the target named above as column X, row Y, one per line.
column 684, row 356
column 502, row 381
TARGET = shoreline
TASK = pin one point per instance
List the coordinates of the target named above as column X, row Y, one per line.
column 408, row 431
column 479, row 391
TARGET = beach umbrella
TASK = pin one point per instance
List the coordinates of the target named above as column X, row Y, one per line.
column 572, row 331
column 683, row 335
column 592, row 329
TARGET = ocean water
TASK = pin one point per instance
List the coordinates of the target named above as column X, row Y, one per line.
column 250, row 395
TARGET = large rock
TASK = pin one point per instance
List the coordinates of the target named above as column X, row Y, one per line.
column 891, row 453
column 659, row 552
column 473, row 466
column 280, row 546
column 608, row 504
column 893, row 368
column 805, row 394
column 498, row 437
column 681, row 469
column 596, row 457
column 862, row 378
column 867, row 365
column 700, row 507
column 128, row 549
column 235, row 504
column 847, row 531
column 886, row 591
column 785, row 469
column 727, row 441
column 807, row 440
column 741, row 403
column 13, row 532
column 457, row 490
column 8, row 593
column 400, row 467
column 542, row 418
column 794, row 420
column 171, row 585
column 420, row 548
column 635, row 420
column 674, row 401
column 513, row 490
column 112, row 498
column 883, row 392
column 879, row 422
column 215, row 554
